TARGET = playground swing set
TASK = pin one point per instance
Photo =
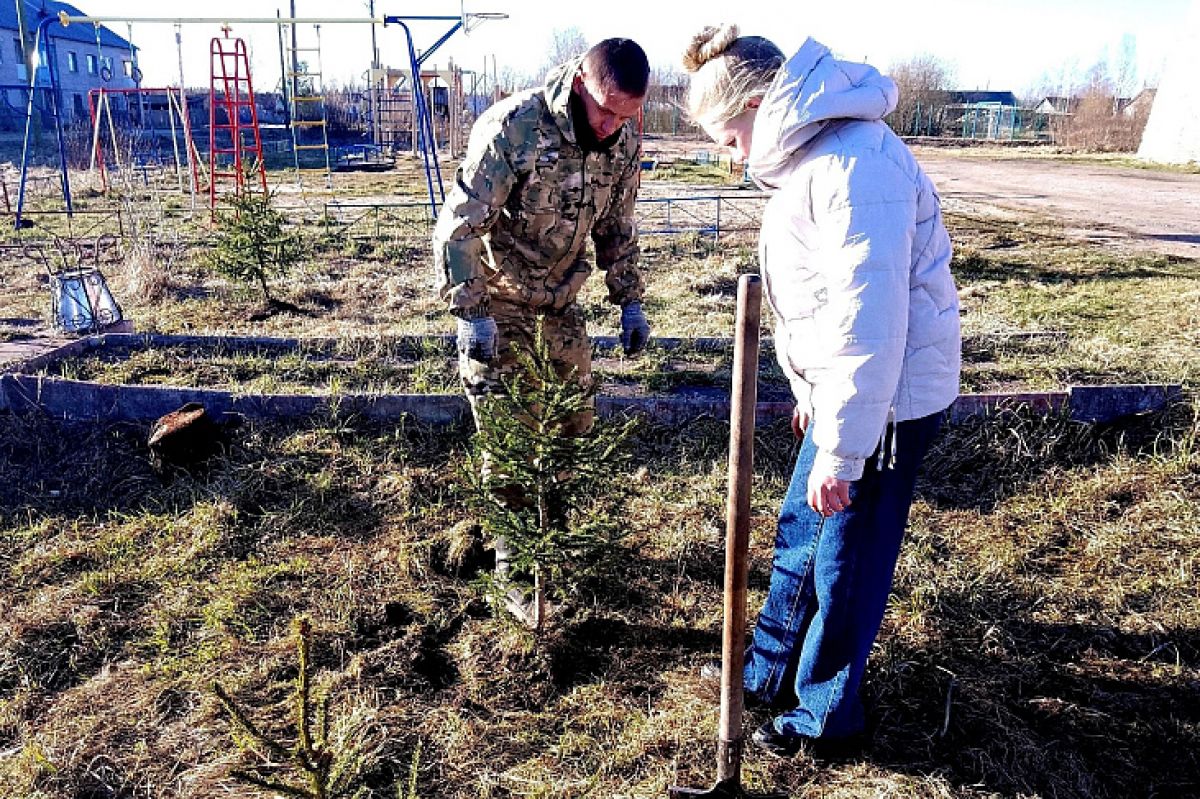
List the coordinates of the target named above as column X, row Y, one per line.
column 235, row 141
column 137, row 140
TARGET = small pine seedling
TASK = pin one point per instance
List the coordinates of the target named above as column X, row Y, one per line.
column 538, row 487
column 323, row 773
column 253, row 243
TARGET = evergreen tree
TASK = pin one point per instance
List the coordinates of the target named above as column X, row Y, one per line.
column 253, row 243
column 541, row 490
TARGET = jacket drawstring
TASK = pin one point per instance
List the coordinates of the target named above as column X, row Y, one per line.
column 887, row 451
column 892, row 420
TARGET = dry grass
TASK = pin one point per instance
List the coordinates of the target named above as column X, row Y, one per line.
column 1042, row 640
column 1046, row 588
column 985, row 152
column 149, row 269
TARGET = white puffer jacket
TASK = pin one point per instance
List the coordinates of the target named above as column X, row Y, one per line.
column 855, row 258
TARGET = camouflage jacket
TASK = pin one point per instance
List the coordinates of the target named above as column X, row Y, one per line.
column 515, row 224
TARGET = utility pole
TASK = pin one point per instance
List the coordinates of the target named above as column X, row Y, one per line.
column 295, row 57
column 371, row 78
column 283, row 74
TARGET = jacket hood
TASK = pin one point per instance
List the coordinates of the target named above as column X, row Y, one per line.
column 812, row 89
column 558, row 95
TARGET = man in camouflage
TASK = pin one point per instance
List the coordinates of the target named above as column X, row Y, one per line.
column 544, row 168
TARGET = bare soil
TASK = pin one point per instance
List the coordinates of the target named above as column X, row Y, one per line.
column 1143, row 209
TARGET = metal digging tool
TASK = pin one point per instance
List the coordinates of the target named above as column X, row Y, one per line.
column 737, row 540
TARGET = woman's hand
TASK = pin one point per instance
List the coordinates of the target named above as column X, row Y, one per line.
column 799, row 422
column 827, row 494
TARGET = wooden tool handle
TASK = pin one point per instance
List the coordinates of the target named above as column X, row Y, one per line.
column 737, row 523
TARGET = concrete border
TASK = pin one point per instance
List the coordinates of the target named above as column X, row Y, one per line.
column 415, row 343
column 24, row 391
column 88, row 401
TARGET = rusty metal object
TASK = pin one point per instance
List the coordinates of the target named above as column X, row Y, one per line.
column 185, row 438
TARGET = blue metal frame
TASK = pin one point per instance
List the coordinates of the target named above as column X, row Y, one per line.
column 42, row 43
column 433, row 170
column 428, row 145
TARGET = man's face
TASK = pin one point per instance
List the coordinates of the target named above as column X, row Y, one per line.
column 607, row 109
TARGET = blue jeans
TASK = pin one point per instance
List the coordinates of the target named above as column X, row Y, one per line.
column 829, row 588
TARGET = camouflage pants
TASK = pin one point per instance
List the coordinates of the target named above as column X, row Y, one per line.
column 566, row 339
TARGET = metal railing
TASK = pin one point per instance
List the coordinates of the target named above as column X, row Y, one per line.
column 387, row 220
column 710, row 214
column 707, row 214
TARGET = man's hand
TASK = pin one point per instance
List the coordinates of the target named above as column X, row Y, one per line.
column 827, row 494
column 635, row 330
column 477, row 338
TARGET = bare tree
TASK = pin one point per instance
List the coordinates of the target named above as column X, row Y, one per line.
column 665, row 101
column 1099, row 121
column 564, row 45
column 921, row 81
column 509, row 80
column 1126, row 74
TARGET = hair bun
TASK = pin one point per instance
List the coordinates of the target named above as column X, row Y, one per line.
column 708, row 44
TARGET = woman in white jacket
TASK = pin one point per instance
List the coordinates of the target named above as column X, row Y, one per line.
column 855, row 264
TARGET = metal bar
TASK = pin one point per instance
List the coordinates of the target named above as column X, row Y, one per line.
column 445, row 38
column 174, row 139
column 112, row 134
column 67, row 19
column 418, row 96
column 42, row 37
column 283, row 70
column 95, row 119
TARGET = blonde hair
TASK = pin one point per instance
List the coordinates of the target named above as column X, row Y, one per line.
column 727, row 72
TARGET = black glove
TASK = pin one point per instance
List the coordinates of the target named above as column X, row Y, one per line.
column 477, row 338
column 635, row 330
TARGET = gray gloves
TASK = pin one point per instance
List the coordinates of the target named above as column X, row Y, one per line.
column 635, row 330
column 477, row 338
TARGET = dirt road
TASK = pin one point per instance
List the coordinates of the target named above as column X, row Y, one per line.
column 1115, row 205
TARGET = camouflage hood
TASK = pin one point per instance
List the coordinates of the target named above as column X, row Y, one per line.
column 558, row 96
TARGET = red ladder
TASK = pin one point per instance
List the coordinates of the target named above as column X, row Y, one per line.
column 230, row 140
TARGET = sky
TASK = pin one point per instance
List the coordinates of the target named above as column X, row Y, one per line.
column 1024, row 46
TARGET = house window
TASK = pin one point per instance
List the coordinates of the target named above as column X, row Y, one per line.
column 128, row 65
column 79, row 110
column 18, row 49
column 72, row 62
column 91, row 64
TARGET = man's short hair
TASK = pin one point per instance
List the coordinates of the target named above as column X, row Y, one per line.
column 619, row 64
